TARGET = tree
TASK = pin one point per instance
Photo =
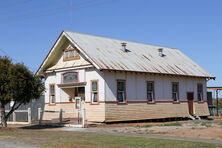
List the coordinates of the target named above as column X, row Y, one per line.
column 18, row 84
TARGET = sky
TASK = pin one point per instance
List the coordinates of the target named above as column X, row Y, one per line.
column 29, row 28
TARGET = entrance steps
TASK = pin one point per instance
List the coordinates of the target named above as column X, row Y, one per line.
column 194, row 117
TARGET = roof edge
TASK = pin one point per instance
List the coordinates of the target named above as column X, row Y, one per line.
column 159, row 73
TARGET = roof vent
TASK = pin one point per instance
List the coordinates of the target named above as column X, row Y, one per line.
column 124, row 46
column 160, row 50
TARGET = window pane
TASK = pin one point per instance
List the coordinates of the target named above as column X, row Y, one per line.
column 200, row 96
column 120, row 86
column 94, row 85
column 70, row 77
column 150, row 86
column 175, row 97
column 52, row 89
column 150, row 97
column 71, row 54
column 175, row 86
column 65, row 54
column 120, row 96
column 75, row 53
column 94, row 96
column 52, row 99
column 200, row 87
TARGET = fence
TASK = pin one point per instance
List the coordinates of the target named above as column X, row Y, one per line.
column 76, row 118
column 14, row 121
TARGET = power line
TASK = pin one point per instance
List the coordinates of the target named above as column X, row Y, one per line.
column 13, row 59
column 15, row 4
column 53, row 10
column 29, row 8
column 56, row 10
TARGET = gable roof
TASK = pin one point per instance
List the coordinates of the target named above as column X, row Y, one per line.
column 107, row 54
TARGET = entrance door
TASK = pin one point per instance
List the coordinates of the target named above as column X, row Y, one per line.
column 190, row 102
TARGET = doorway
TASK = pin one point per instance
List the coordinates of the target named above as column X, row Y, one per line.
column 190, row 98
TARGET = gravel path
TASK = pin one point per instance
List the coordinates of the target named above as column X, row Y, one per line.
column 102, row 131
column 6, row 143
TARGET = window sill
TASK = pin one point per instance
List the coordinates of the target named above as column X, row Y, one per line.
column 94, row 103
column 154, row 102
column 52, row 104
column 201, row 102
column 176, row 102
column 122, row 103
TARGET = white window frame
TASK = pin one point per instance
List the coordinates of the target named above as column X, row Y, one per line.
column 150, row 91
column 93, row 92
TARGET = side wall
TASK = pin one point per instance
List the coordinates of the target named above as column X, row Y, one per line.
column 137, row 107
column 95, row 112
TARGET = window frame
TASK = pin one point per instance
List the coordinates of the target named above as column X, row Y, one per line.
column 178, row 92
column 50, row 103
column 153, row 93
column 70, row 72
column 70, row 58
column 201, row 101
column 91, row 92
column 124, row 81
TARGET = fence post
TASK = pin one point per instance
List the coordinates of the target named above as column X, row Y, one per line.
column 60, row 116
column 39, row 115
column 29, row 116
column 84, row 118
column 14, row 116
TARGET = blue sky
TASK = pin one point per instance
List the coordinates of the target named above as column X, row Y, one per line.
column 29, row 28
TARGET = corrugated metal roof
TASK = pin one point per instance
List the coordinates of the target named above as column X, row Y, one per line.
column 106, row 53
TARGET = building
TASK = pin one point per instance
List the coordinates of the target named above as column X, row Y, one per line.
column 117, row 80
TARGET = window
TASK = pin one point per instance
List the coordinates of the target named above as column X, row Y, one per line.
column 200, row 92
column 94, row 91
column 70, row 77
column 71, row 54
column 175, row 91
column 52, row 94
column 121, row 91
column 150, row 92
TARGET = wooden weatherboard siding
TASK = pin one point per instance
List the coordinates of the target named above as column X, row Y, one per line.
column 142, row 111
column 95, row 112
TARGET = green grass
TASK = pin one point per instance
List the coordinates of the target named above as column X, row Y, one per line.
column 166, row 124
column 62, row 139
column 172, row 124
column 144, row 126
column 206, row 124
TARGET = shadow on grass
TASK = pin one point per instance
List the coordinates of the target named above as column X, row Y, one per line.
column 38, row 127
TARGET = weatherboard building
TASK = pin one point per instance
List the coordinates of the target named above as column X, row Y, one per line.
column 118, row 80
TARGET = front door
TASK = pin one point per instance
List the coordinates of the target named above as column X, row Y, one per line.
column 190, row 99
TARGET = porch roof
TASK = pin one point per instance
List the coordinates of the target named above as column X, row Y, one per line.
column 72, row 85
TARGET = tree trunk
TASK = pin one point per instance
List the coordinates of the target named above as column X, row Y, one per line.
column 2, row 116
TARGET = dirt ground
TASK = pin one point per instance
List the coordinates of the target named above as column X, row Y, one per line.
column 208, row 129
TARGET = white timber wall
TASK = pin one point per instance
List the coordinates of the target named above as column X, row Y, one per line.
column 62, row 95
column 94, row 74
column 136, row 86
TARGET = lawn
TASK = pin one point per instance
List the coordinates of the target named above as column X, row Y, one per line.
column 65, row 139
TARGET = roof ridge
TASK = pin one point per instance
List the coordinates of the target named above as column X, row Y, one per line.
column 118, row 39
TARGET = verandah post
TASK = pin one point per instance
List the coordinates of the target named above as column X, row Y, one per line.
column 39, row 115
column 14, row 116
column 29, row 116
column 60, row 116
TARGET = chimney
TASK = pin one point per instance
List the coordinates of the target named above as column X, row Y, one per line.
column 161, row 52
column 124, row 46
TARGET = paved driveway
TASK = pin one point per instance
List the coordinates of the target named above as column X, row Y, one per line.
column 6, row 143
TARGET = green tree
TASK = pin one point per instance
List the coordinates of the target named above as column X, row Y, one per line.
column 18, row 84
